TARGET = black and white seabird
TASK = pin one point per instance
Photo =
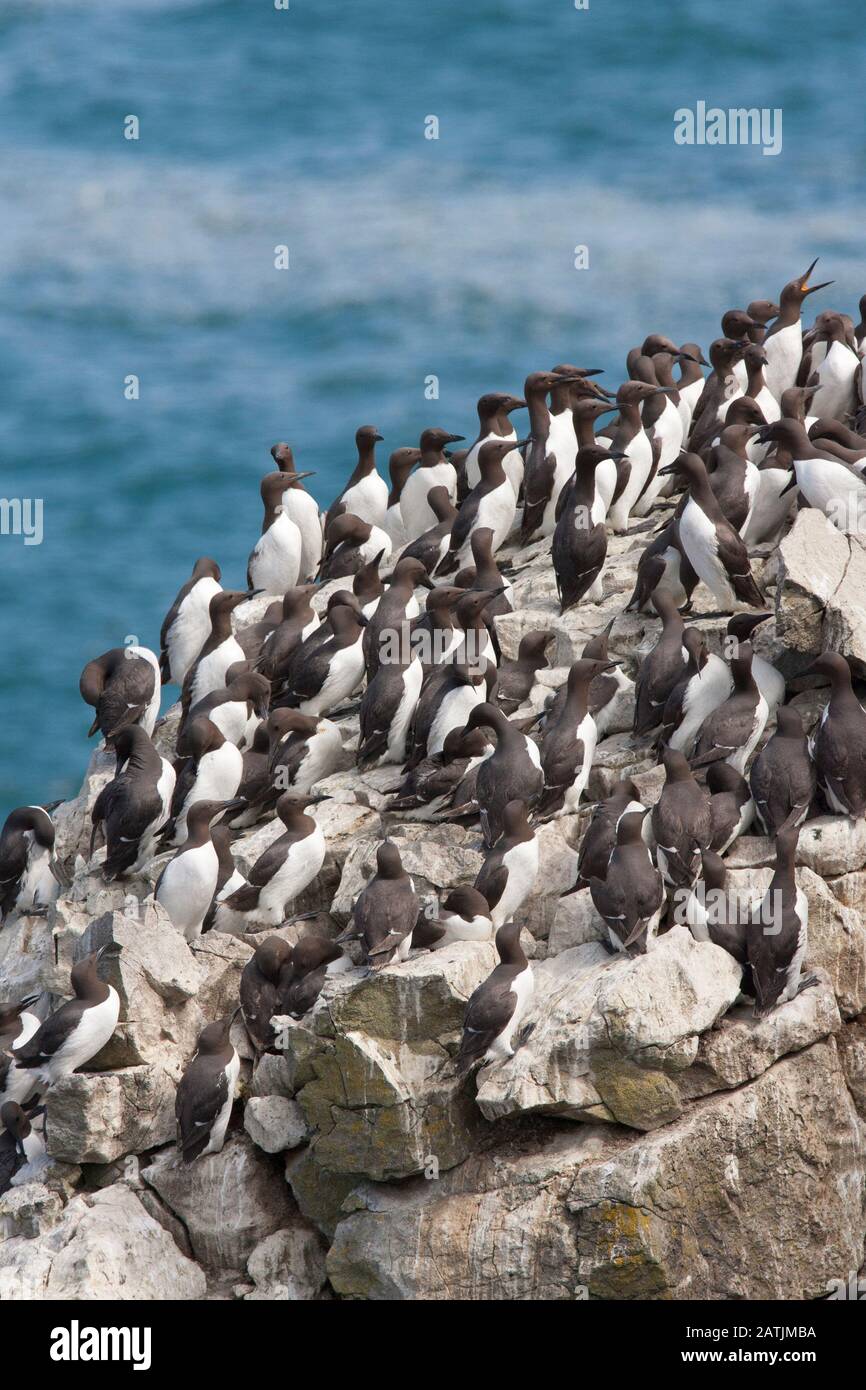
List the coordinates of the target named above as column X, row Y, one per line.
column 303, row 510
column 236, row 711
column 464, row 915
column 302, row 654
column 275, row 560
column 229, row 876
column 22, row 1144
column 387, row 632
column 638, row 464
column 826, row 481
column 491, row 504
column 511, row 773
column 30, row 877
column 580, row 539
column 712, row 913
column 690, row 382
column 681, row 823
column 837, row 374
column 220, row 650
column 400, row 465
column 462, row 803
column 776, row 499
column 599, row 839
column 281, row 872
column 304, row 749
column 188, row 883
column 435, row 778
column 702, row 687
column 549, row 455
column 713, row 547
column 732, row 809
column 485, row 576
column 298, row 621
column 769, row 681
column 368, row 586
column 436, row 634
column 351, row 543
column 568, row 744
column 662, row 669
column 448, row 696
column 661, row 421
column 838, row 745
column 124, row 687
column 434, row 470
column 385, row 911
column 314, row 957
column 586, row 410
column 473, row 613
column 720, row 388
column 319, row 680
column 18, row 1023
column 732, row 731
column 497, row 1007
column 631, row 895
column 80, row 1028
column 134, row 806
column 387, row 709
column 494, row 409
column 211, row 771
column 432, row 545
column 262, row 981
column 187, row 623
column 733, row 478
column 783, row 341
column 783, row 778
column 206, row 1093
column 757, row 390
column 777, row 936
column 663, row 564
column 366, row 492
column 510, row 868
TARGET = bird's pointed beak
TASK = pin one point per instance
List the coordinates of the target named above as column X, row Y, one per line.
column 813, row 289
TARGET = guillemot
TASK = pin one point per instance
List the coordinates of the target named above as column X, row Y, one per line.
column 366, row 492
column 80, row 1028
column 206, row 1093
column 497, row 1007
column 124, row 687
column 187, row 623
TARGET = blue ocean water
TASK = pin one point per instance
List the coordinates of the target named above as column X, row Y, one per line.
column 408, row 257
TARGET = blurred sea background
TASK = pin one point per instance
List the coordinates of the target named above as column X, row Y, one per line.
column 408, row 257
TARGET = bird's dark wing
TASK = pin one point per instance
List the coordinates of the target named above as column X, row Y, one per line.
column 51, row 1036
column 488, row 1012
column 197, row 1106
